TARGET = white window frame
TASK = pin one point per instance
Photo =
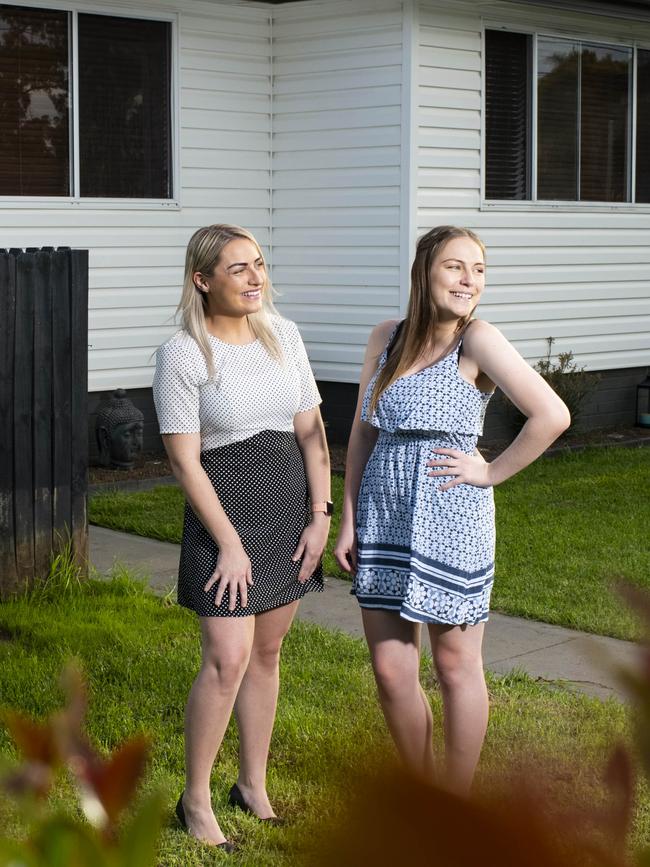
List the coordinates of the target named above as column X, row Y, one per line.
column 535, row 204
column 97, row 203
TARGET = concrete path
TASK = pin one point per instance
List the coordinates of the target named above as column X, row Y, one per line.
column 585, row 662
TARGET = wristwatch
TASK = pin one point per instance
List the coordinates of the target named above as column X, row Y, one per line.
column 327, row 506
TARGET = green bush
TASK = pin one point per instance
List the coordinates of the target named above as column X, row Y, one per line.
column 570, row 382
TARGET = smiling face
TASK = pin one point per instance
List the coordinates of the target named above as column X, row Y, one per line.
column 237, row 282
column 457, row 279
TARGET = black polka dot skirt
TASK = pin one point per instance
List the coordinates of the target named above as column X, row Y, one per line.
column 262, row 487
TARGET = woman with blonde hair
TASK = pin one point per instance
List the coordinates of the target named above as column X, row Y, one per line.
column 418, row 516
column 238, row 410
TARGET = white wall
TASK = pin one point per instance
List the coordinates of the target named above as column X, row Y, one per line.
column 336, row 173
column 136, row 254
column 580, row 273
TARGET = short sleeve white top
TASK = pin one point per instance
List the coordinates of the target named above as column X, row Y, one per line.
column 251, row 392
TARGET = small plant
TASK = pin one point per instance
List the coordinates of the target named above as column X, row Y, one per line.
column 570, row 382
column 105, row 787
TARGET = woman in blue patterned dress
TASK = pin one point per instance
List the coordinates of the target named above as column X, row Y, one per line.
column 418, row 518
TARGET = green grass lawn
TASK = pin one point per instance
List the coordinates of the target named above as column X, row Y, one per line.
column 567, row 527
column 140, row 655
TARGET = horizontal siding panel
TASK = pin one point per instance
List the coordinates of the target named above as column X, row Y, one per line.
column 352, row 118
column 449, row 118
column 374, row 298
column 310, row 198
column 352, row 40
column 245, row 122
column 357, row 178
column 380, row 136
column 448, row 198
column 54, row 223
column 448, row 158
column 365, row 58
column 285, row 275
column 319, row 257
column 433, row 18
column 522, row 236
column 124, row 376
column 444, row 37
column 592, row 345
column 368, row 315
column 221, row 200
column 217, row 82
column 461, row 79
column 321, row 22
column 226, row 139
column 207, row 61
column 557, row 295
column 209, row 100
column 252, row 26
column 362, row 97
column 446, row 97
column 103, row 319
column 444, row 178
column 223, row 179
column 382, row 75
column 449, row 138
column 337, row 158
column 573, row 256
column 226, row 43
column 591, row 312
column 331, row 236
column 566, row 274
column 138, row 297
column 353, row 216
column 204, row 158
column 449, row 58
column 130, row 338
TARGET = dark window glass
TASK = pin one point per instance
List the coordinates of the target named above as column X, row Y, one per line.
column 124, row 107
column 604, row 130
column 558, row 82
column 507, row 100
column 34, row 147
column 643, row 126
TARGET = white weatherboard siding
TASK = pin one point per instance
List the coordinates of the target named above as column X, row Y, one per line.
column 580, row 275
column 137, row 254
column 337, row 115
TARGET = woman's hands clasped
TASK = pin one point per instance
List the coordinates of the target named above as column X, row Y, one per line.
column 467, row 469
column 233, row 575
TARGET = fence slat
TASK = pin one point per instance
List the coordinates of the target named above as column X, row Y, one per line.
column 8, row 575
column 79, row 403
column 43, row 374
column 23, row 428
column 61, row 382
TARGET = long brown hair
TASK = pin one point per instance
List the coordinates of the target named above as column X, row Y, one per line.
column 203, row 253
column 421, row 315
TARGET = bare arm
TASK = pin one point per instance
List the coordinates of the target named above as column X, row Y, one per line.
column 546, row 414
column 310, row 435
column 361, row 443
column 233, row 570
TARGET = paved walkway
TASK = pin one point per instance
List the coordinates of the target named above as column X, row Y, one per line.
column 585, row 662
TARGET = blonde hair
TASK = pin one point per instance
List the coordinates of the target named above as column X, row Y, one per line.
column 203, row 252
column 421, row 316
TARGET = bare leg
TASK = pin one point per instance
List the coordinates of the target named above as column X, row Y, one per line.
column 459, row 663
column 226, row 647
column 256, row 704
column 395, row 653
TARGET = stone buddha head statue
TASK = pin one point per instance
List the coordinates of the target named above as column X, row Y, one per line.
column 118, row 428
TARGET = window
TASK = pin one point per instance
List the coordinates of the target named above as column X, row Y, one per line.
column 123, row 80
column 559, row 119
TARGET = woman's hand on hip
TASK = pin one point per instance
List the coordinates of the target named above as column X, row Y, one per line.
column 346, row 549
column 233, row 574
column 311, row 545
column 466, row 469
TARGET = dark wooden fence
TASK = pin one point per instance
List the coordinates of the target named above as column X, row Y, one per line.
column 43, row 411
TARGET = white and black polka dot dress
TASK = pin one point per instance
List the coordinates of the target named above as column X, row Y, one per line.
column 250, row 454
column 425, row 553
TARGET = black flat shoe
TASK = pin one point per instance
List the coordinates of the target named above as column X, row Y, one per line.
column 226, row 846
column 236, row 799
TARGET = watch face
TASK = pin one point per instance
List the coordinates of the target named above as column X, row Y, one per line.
column 329, row 508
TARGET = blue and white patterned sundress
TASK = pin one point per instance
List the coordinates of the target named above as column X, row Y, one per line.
column 422, row 552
